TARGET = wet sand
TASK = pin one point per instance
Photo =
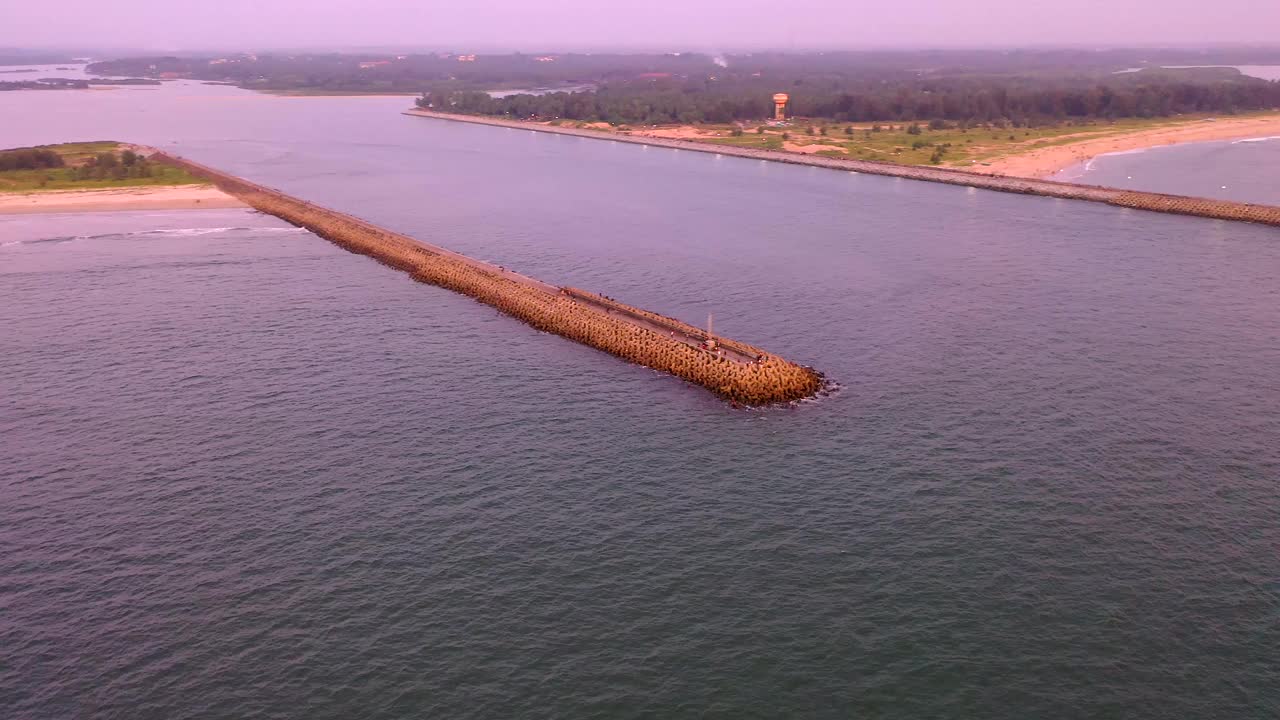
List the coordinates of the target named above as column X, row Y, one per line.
column 167, row 197
column 1045, row 162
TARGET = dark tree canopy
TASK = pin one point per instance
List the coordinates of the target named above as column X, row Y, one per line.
column 972, row 100
column 1027, row 87
column 32, row 159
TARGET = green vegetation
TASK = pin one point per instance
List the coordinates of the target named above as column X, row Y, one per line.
column 920, row 99
column 952, row 107
column 1027, row 88
column 84, row 166
column 53, row 83
column 30, row 160
column 952, row 145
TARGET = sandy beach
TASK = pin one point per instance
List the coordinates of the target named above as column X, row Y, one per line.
column 1044, row 162
column 1029, row 159
column 171, row 197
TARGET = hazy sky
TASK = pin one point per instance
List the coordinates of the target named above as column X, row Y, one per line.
column 658, row 24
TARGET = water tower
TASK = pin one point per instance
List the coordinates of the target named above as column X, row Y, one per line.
column 780, row 106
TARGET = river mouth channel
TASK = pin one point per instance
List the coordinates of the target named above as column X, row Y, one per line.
column 245, row 472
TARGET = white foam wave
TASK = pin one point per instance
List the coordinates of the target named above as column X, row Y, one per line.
column 211, row 231
column 829, row 388
column 1093, row 161
column 1135, row 151
column 1089, row 165
column 169, row 232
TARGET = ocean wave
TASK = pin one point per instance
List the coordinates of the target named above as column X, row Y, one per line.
column 170, row 232
column 211, row 231
column 48, row 241
column 1091, row 162
column 1256, row 140
column 1135, row 151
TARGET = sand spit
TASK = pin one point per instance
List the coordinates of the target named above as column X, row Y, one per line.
column 735, row 371
column 1178, row 204
column 158, row 197
column 1045, row 162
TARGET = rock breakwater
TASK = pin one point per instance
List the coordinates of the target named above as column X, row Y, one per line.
column 735, row 371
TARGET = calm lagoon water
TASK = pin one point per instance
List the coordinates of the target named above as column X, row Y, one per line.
column 1246, row 170
column 246, row 474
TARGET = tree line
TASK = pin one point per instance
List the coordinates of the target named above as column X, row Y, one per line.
column 1020, row 87
column 408, row 73
column 967, row 99
column 46, row 84
column 30, row 159
column 106, row 166
column 420, row 71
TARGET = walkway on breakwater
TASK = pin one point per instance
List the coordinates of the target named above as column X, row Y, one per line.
column 1156, row 202
column 731, row 369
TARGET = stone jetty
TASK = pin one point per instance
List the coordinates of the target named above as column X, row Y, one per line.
column 735, row 371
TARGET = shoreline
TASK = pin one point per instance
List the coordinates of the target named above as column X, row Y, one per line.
column 153, row 197
column 1042, row 158
column 1136, row 199
column 1084, row 166
column 1045, row 163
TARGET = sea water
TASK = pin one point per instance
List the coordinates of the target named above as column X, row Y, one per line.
column 1247, row 170
column 244, row 473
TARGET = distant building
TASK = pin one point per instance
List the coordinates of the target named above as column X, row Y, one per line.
column 545, row 58
column 780, row 106
column 466, row 58
column 373, row 64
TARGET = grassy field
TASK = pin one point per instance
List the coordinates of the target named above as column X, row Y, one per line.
column 76, row 155
column 945, row 147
